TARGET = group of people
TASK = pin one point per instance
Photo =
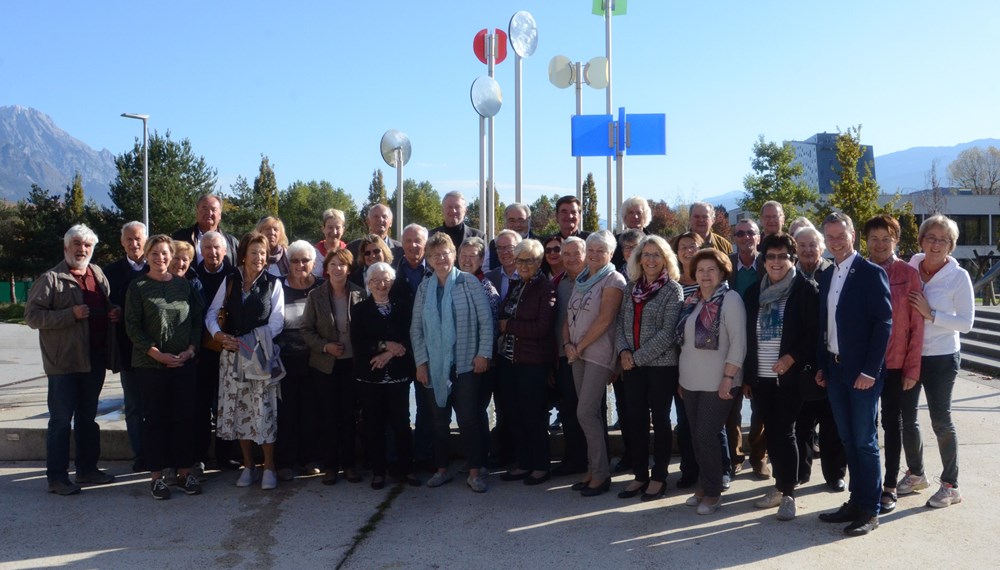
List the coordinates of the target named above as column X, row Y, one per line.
column 292, row 347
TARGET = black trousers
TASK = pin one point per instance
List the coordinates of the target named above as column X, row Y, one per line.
column 649, row 391
column 382, row 406
column 528, row 413
column 779, row 407
column 169, row 396
column 207, row 394
column 335, row 405
column 296, row 415
column 831, row 450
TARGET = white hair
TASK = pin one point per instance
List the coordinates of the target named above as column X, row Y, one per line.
column 380, row 267
column 454, row 194
column 80, row 231
column 418, row 228
column 214, row 235
column 302, row 247
column 647, row 212
column 603, row 237
column 134, row 224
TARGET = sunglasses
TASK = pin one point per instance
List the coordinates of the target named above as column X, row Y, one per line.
column 745, row 233
column 555, row 249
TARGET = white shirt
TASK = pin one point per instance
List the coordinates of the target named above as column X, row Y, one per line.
column 505, row 281
column 839, row 277
column 136, row 265
column 949, row 293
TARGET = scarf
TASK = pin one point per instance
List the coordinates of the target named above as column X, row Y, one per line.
column 706, row 328
column 440, row 335
column 771, row 295
column 584, row 283
column 278, row 257
column 643, row 290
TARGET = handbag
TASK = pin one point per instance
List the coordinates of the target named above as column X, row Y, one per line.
column 207, row 340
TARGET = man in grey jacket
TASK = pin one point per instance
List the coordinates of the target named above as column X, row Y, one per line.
column 70, row 308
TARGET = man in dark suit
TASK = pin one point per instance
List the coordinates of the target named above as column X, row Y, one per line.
column 516, row 217
column 453, row 209
column 855, row 319
column 120, row 273
column 501, row 277
column 209, row 215
column 379, row 221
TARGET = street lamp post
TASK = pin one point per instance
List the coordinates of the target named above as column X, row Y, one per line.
column 145, row 166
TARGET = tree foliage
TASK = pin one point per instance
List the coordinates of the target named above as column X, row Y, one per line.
column 666, row 221
column 301, row 208
column 242, row 208
column 853, row 195
column 376, row 195
column 591, row 215
column 977, row 169
column 74, row 199
column 265, row 186
column 31, row 236
column 421, row 205
column 472, row 213
column 776, row 176
column 177, row 177
column 721, row 225
column 543, row 215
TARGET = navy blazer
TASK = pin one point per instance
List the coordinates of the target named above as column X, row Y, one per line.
column 864, row 319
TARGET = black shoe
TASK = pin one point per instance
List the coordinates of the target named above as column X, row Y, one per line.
column 191, row 485
column 803, row 480
column 159, row 489
column 512, row 476
column 95, row 477
column 887, row 502
column 556, row 426
column 846, row 513
column 329, row 478
column 580, row 485
column 837, row 486
column 532, row 480
column 568, row 469
column 378, row 482
column 412, row 480
column 654, row 496
column 604, row 487
column 352, row 475
column 862, row 525
column 139, row 466
column 627, row 494
column 63, row 487
column 622, row 466
column 684, row 482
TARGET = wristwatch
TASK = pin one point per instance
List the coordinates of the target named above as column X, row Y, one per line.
column 933, row 315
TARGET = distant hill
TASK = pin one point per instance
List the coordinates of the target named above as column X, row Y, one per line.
column 33, row 150
column 906, row 170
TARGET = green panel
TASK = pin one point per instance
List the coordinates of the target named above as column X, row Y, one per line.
column 619, row 7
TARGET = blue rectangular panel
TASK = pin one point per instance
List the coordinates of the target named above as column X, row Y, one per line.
column 647, row 133
column 590, row 135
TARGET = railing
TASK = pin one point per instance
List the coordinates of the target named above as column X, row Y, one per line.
column 986, row 272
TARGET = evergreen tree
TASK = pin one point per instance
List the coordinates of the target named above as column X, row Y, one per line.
column 74, row 198
column 265, row 187
column 543, row 215
column 591, row 215
column 376, row 195
column 421, row 205
column 177, row 177
column 243, row 208
column 32, row 234
column 776, row 176
column 472, row 213
column 303, row 203
column 853, row 195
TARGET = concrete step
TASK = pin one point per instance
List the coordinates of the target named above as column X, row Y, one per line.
column 980, row 348
column 983, row 365
column 989, row 320
column 982, row 335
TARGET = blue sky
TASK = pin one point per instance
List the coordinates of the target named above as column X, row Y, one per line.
column 313, row 85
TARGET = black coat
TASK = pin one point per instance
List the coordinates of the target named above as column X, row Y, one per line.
column 369, row 328
column 120, row 274
column 799, row 332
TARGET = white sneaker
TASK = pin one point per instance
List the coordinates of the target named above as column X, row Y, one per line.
column 693, row 501
column 269, row 480
column 911, row 483
column 770, row 500
column 707, row 508
column 439, row 479
column 476, row 484
column 945, row 496
column 786, row 511
column 247, row 477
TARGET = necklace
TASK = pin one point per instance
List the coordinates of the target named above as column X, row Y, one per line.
column 929, row 274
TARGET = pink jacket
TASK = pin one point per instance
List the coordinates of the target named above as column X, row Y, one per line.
column 907, row 337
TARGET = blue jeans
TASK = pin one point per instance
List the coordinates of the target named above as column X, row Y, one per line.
column 937, row 377
column 72, row 399
column 856, row 412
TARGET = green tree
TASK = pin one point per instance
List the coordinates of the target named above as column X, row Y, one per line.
column 32, row 234
column 303, row 203
column 177, row 177
column 977, row 169
column 591, row 215
column 265, row 186
column 543, row 215
column 242, row 208
column 472, row 213
column 666, row 222
column 376, row 195
column 74, row 198
column 853, row 195
column 776, row 176
column 421, row 205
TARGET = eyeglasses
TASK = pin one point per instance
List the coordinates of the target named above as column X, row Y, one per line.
column 688, row 247
column 373, row 253
column 651, row 255
column 379, row 282
column 778, row 256
column 937, row 241
column 528, row 261
column 445, row 254
column 555, row 249
column 505, row 248
column 745, row 233
column 298, row 260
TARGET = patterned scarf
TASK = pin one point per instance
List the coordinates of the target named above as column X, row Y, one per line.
column 643, row 290
column 279, row 256
column 706, row 328
column 771, row 295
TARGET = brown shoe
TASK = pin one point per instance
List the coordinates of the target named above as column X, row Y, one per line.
column 330, row 478
column 762, row 471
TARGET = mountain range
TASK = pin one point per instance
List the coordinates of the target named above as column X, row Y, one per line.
column 34, row 150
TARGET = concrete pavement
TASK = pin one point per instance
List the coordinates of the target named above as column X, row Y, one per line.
column 305, row 524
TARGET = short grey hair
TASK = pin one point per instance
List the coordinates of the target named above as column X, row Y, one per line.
column 706, row 205
column 603, row 237
column 799, row 223
column 842, row 218
column 335, row 214
column 532, row 246
column 647, row 212
column 454, row 194
column 134, row 224
column 576, row 240
column 811, row 231
column 750, row 221
column 476, row 242
column 380, row 267
column 774, row 203
column 945, row 223
column 519, row 206
column 214, row 235
column 630, row 235
column 80, row 231
column 415, row 227
column 517, row 237
column 302, row 247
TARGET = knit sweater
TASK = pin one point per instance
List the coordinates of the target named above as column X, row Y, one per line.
column 164, row 314
column 657, row 329
column 474, row 323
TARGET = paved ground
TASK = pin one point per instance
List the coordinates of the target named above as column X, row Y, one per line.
column 304, row 524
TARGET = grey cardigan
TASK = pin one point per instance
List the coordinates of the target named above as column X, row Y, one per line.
column 657, row 331
column 474, row 323
column 319, row 323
